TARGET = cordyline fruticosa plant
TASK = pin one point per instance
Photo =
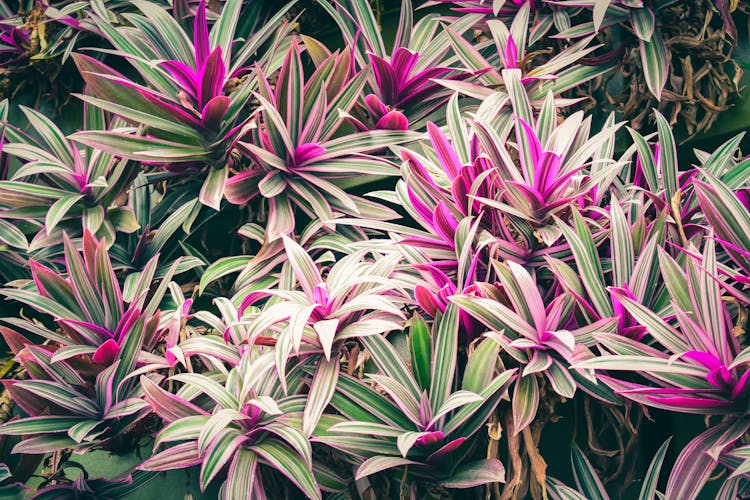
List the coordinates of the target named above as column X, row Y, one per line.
column 269, row 260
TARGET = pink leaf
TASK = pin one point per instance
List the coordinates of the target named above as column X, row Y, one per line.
column 106, row 353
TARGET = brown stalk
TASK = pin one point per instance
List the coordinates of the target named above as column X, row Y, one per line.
column 510, row 490
column 538, row 465
column 494, row 432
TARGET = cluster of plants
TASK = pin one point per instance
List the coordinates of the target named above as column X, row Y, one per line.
column 366, row 262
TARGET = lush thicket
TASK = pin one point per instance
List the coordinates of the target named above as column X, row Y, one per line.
column 352, row 249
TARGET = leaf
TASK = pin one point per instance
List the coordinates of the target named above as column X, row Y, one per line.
column 83, row 288
column 643, row 22
column 480, row 366
column 217, row 424
column 494, row 315
column 588, row 263
column 213, row 187
column 662, row 331
column 222, row 33
column 358, row 401
column 421, row 351
column 220, row 452
column 641, row 364
column 623, row 256
column 179, row 456
column 138, row 116
column 406, row 441
column 290, row 464
column 389, row 361
column 454, row 401
column 41, row 445
column 40, row 303
column 472, row 416
column 304, row 268
column 322, row 388
column 476, row 474
column 444, row 357
column 381, row 463
column 187, row 428
column 12, row 236
column 326, row 331
column 210, row 387
column 586, row 477
column 222, row 267
column 600, row 11
column 655, row 58
column 648, row 490
column 50, row 134
column 668, row 159
column 525, row 402
column 38, row 425
column 366, row 428
column 140, row 148
column 693, row 466
column 242, row 470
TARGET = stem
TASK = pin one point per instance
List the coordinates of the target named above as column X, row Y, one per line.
column 514, row 455
column 538, row 465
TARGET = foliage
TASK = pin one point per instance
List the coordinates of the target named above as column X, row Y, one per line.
column 375, row 265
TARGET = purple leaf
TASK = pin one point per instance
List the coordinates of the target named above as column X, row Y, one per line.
column 393, row 120
column 200, row 34
column 106, row 353
column 212, row 81
column 214, row 111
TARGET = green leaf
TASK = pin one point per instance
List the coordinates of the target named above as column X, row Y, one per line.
column 525, row 402
column 38, row 425
column 50, row 134
column 322, row 388
column 86, row 294
column 187, row 428
column 389, row 361
column 222, row 267
column 445, row 356
column 242, row 470
column 40, row 303
column 473, row 416
column 586, row 477
column 170, row 226
column 290, row 464
column 622, row 245
column 366, row 428
column 648, row 490
column 141, row 117
column 476, row 474
column 12, row 236
column 494, row 315
column 643, row 22
column 210, row 387
column 421, row 351
column 655, row 58
column 588, row 263
column 140, row 148
column 480, row 366
column 305, row 269
column 641, row 364
column 357, row 401
column 667, row 155
column 213, row 187
column 218, row 455
column 381, row 463
column 59, row 209
column 169, row 31
column 454, row 401
column 217, row 424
